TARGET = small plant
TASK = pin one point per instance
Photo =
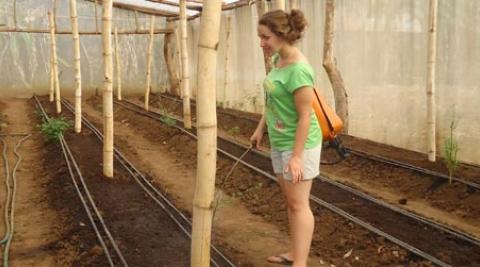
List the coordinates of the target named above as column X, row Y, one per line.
column 52, row 129
column 169, row 121
column 234, row 131
column 451, row 150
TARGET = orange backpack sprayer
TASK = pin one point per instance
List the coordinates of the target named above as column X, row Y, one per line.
column 329, row 122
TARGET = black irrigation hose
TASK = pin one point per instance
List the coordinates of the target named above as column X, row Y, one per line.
column 85, row 205
column 149, row 187
column 70, row 160
column 373, row 157
column 327, row 205
column 410, row 167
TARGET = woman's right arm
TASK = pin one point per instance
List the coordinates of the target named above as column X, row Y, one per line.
column 256, row 138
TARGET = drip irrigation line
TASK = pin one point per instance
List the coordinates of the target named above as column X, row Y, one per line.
column 70, row 160
column 363, row 154
column 327, row 205
column 411, row 167
column 136, row 174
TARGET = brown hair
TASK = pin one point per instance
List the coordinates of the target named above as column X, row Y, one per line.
column 288, row 26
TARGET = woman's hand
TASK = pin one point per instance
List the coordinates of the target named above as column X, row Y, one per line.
column 256, row 138
column 294, row 166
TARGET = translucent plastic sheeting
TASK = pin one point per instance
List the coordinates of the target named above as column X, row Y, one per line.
column 380, row 48
column 155, row 6
column 381, row 51
column 25, row 57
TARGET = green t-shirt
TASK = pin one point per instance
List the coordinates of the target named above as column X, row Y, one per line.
column 280, row 111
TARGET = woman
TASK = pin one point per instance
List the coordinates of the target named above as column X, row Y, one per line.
column 293, row 129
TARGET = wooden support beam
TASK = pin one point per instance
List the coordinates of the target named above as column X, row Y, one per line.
column 149, row 64
column 169, row 55
column 107, row 89
column 78, row 73
column 156, row 31
column 187, row 117
column 118, row 64
column 207, row 134
column 431, row 62
column 51, row 20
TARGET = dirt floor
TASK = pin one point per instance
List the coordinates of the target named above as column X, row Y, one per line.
column 452, row 204
column 250, row 219
column 333, row 238
column 47, row 233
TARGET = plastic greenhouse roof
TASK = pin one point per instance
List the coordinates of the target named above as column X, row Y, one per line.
column 164, row 7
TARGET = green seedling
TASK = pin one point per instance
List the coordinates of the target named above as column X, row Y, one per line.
column 451, row 150
column 54, row 128
column 234, row 131
column 169, row 121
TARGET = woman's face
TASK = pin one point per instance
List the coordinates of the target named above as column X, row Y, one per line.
column 269, row 42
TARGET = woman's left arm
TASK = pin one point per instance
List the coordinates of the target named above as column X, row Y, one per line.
column 303, row 103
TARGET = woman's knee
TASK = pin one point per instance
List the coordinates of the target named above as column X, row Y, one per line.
column 297, row 205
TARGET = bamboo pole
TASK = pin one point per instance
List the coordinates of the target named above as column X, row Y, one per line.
column 96, row 16
column 107, row 89
column 178, row 58
column 329, row 63
column 78, row 73
column 431, row 62
column 207, row 134
column 168, row 53
column 55, row 13
column 52, row 76
column 279, row 4
column 55, row 64
column 136, row 20
column 227, row 49
column 54, row 61
column 27, row 30
column 187, row 118
column 15, row 13
column 149, row 64
column 294, row 4
column 118, row 64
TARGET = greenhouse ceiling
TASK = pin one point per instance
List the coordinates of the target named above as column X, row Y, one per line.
column 170, row 8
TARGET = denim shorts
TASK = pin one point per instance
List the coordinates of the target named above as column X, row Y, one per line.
column 310, row 161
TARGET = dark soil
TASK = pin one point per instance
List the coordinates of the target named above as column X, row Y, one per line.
column 333, row 237
column 77, row 244
column 144, row 233
column 456, row 198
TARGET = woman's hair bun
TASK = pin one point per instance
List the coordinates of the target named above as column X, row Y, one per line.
column 288, row 26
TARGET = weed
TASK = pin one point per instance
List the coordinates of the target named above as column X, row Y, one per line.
column 169, row 121
column 234, row 131
column 451, row 149
column 52, row 129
